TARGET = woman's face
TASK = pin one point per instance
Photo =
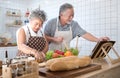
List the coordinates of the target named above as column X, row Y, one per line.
column 67, row 16
column 36, row 24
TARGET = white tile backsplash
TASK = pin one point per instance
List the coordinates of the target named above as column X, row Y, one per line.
column 12, row 51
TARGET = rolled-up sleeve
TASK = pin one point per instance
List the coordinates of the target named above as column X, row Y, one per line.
column 47, row 29
column 50, row 27
column 77, row 30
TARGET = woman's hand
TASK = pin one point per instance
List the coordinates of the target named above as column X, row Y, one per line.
column 40, row 56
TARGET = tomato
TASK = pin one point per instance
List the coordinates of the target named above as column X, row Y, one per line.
column 55, row 55
column 59, row 52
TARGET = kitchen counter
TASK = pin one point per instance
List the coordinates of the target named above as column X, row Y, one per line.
column 8, row 45
column 107, row 71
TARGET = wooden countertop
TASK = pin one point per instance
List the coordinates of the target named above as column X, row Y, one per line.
column 107, row 71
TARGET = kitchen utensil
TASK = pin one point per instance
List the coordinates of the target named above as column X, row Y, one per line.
column 0, row 67
column 64, row 42
column 77, row 42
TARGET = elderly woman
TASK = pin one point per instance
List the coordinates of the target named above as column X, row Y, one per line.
column 30, row 39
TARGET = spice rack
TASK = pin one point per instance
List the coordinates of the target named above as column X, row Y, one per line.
column 13, row 17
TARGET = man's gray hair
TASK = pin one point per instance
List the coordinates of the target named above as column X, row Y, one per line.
column 37, row 13
column 64, row 7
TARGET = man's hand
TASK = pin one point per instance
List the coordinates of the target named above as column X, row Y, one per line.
column 58, row 39
column 103, row 39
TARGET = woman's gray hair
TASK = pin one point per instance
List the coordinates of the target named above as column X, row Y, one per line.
column 37, row 13
column 64, row 7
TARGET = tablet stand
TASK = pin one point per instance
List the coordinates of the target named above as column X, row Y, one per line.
column 102, row 49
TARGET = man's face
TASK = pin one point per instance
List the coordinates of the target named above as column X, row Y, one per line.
column 36, row 24
column 67, row 16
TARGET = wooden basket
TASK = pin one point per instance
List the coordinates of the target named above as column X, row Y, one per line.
column 7, row 72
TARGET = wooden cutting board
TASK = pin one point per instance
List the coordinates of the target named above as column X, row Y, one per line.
column 70, row 73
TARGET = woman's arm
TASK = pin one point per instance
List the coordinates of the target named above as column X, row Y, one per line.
column 21, row 40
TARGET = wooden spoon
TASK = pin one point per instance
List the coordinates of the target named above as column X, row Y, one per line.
column 77, row 42
column 64, row 42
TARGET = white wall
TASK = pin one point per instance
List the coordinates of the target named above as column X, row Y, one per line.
column 99, row 17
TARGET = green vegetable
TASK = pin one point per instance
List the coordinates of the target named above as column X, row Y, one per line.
column 74, row 51
column 65, row 50
column 49, row 55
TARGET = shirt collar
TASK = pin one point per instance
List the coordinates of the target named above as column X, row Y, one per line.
column 33, row 33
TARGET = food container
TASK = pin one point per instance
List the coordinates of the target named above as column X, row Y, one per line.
column 4, row 41
column 5, row 38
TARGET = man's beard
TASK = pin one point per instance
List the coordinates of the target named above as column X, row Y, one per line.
column 69, row 22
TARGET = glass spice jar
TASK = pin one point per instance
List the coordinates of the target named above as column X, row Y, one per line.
column 14, row 71
column 28, row 67
column 20, row 70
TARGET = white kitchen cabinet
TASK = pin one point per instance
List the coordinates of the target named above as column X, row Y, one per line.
column 12, row 51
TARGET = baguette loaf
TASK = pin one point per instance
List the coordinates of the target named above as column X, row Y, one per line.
column 67, row 63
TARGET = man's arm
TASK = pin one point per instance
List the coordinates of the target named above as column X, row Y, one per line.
column 92, row 38
column 49, row 38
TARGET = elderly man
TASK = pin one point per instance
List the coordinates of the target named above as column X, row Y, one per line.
column 63, row 29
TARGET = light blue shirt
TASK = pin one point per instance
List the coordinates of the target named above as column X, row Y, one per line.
column 51, row 27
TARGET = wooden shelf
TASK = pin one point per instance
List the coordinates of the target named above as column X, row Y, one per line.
column 14, row 15
column 12, row 25
column 8, row 45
